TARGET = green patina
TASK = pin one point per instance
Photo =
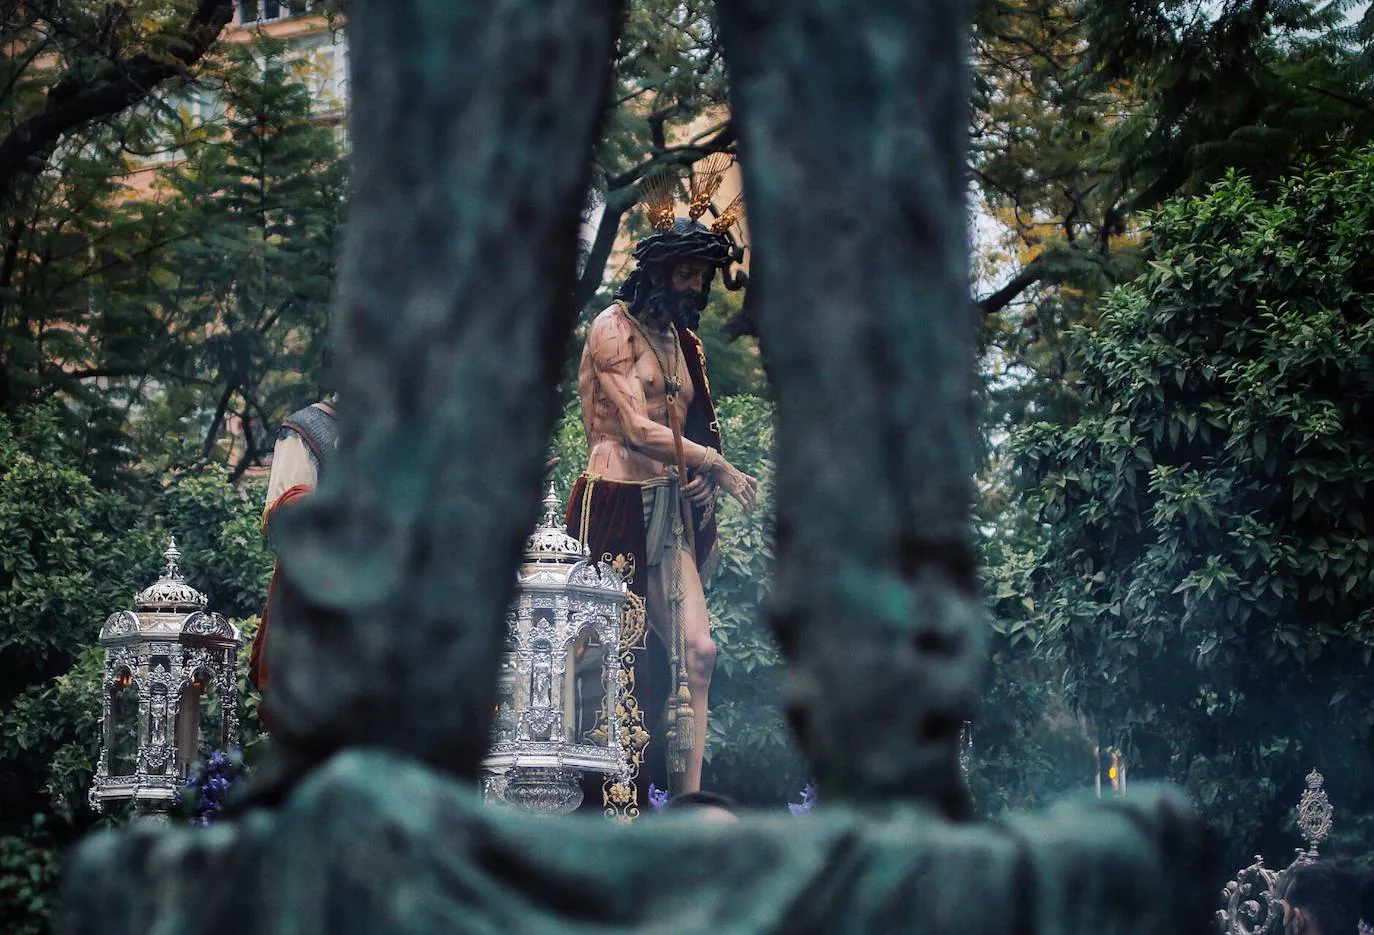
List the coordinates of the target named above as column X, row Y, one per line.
column 467, row 199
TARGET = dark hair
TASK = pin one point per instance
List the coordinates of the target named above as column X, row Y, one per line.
column 702, row 799
column 685, row 240
column 1336, row 894
column 657, row 254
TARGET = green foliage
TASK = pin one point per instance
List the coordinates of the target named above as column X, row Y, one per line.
column 74, row 555
column 28, row 883
column 1028, row 748
column 1206, row 566
column 218, row 530
column 1085, row 113
column 179, row 326
column 61, row 539
column 58, row 722
column 668, row 70
column 668, row 109
column 253, row 739
column 71, row 556
column 733, row 367
column 245, row 284
column 750, row 754
column 1249, row 85
column 1041, row 139
column 569, row 445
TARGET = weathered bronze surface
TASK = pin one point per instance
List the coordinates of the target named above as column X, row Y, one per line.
column 374, row 843
column 472, row 128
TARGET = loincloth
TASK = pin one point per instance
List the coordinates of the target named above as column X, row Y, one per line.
column 633, row 521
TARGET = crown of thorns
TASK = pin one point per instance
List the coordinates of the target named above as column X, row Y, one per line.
column 677, row 239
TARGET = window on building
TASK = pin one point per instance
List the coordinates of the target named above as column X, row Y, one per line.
column 266, row 11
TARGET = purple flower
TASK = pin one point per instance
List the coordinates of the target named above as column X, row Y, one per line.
column 807, row 803
column 657, row 797
column 209, row 783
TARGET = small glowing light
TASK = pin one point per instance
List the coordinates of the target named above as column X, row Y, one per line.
column 1111, row 773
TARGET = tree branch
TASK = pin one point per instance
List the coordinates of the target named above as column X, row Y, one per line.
column 210, row 436
column 621, row 195
column 1033, row 272
column 594, row 269
column 246, row 459
column 75, row 101
column 673, row 156
column 18, row 73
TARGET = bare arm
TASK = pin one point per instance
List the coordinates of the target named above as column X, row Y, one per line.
column 610, row 347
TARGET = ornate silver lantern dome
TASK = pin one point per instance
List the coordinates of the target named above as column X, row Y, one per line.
column 169, row 686
column 557, row 709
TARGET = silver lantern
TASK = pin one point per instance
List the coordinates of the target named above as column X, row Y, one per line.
column 556, row 715
column 169, row 686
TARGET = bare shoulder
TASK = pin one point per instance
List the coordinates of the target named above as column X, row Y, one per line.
column 613, row 321
column 611, row 336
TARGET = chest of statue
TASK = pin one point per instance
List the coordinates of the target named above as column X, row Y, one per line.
column 663, row 374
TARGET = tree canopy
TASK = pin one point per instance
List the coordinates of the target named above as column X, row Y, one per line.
column 1206, row 560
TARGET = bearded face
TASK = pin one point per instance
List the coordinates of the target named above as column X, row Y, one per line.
column 680, row 293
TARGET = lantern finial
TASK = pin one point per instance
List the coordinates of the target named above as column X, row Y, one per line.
column 550, row 541
column 552, row 507
column 172, row 570
column 170, row 592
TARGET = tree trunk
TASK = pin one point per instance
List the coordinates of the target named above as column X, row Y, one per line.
column 853, row 125
column 474, row 125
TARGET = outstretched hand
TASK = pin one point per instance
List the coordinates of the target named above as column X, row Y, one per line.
column 739, row 485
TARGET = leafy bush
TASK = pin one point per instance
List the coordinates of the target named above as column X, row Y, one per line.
column 1027, row 748
column 1208, row 565
column 750, row 754
column 28, row 883
column 218, row 530
column 69, row 555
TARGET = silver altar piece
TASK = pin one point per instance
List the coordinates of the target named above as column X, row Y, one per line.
column 557, row 710
column 169, row 686
column 1251, row 902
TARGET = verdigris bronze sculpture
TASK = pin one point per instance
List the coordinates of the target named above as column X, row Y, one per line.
column 473, row 125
